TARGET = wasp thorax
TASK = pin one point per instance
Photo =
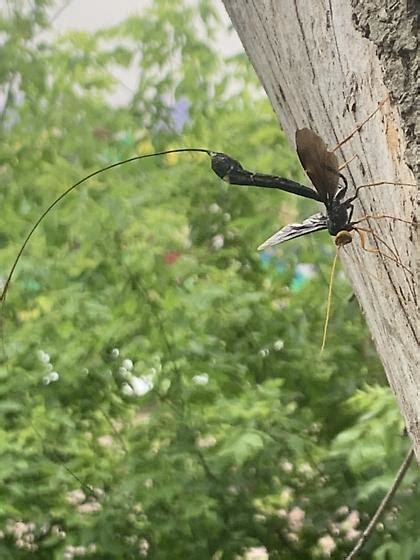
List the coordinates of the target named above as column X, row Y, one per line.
column 343, row 237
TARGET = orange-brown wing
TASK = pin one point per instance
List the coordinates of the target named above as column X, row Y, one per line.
column 320, row 165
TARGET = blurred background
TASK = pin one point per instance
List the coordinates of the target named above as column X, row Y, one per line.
column 163, row 394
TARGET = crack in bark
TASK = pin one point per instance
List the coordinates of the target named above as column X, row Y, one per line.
column 335, row 37
column 299, row 20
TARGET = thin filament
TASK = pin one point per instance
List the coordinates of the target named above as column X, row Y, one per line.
column 70, row 189
column 359, row 126
column 346, row 163
column 379, row 184
column 367, row 533
column 382, row 217
column 394, row 256
column 329, row 299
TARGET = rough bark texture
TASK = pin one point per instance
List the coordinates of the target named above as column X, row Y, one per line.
column 326, row 64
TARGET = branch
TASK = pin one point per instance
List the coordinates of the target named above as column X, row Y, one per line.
column 367, row 533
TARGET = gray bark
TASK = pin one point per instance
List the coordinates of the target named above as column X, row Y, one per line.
column 325, row 64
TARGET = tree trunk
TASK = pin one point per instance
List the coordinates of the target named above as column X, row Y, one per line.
column 325, row 65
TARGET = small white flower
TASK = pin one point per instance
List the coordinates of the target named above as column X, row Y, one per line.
column 205, row 442
column 141, row 386
column 50, row 377
column 218, row 241
column 124, row 373
column 327, row 544
column 256, row 553
column 201, row 379
column 43, row 356
column 126, row 389
column 127, row 364
column 287, row 466
column 214, row 208
column 278, row 345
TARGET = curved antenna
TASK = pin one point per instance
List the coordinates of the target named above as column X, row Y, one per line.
column 72, row 188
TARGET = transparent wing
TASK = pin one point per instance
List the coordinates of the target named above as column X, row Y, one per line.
column 316, row 222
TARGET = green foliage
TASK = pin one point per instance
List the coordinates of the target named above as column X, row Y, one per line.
column 162, row 391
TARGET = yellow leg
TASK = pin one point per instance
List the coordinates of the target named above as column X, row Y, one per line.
column 361, row 234
column 380, row 183
column 359, row 126
column 394, row 256
column 383, row 216
column 346, row 163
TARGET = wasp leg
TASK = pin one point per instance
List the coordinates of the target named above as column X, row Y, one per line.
column 360, row 125
column 394, row 257
column 377, row 184
column 346, row 163
column 382, row 216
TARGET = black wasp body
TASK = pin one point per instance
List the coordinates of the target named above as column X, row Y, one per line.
column 321, row 166
column 338, row 214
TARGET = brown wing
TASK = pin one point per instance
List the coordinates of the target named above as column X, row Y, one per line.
column 320, row 165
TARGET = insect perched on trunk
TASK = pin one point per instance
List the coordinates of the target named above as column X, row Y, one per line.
column 321, row 166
